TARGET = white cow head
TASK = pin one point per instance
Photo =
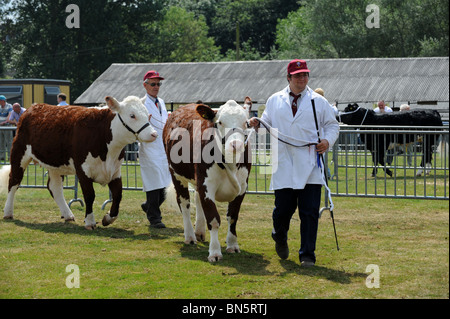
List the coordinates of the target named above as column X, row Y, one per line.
column 134, row 117
column 230, row 122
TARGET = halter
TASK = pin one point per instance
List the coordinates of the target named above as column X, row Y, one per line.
column 283, row 138
column 224, row 138
column 130, row 129
column 351, row 112
column 245, row 133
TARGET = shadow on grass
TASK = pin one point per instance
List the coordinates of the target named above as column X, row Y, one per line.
column 255, row 264
column 334, row 275
column 100, row 231
column 244, row 262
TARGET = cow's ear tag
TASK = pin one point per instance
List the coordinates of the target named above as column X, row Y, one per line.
column 206, row 112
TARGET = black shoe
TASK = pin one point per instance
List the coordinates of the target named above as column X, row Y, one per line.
column 307, row 262
column 158, row 225
column 282, row 250
column 144, row 207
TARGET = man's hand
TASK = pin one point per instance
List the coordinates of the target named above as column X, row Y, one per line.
column 253, row 122
column 322, row 147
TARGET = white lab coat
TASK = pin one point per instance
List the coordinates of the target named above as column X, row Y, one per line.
column 152, row 156
column 294, row 167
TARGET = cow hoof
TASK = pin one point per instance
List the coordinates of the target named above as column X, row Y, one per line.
column 108, row 220
column 190, row 242
column 200, row 237
column 233, row 250
column 90, row 227
column 8, row 217
column 214, row 258
column 68, row 220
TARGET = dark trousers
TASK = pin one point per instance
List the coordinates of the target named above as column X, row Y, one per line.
column 154, row 199
column 307, row 201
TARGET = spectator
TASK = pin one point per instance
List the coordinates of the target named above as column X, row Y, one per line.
column 382, row 108
column 5, row 110
column 62, row 99
column 6, row 136
column 321, row 92
column 405, row 107
column 15, row 114
column 248, row 105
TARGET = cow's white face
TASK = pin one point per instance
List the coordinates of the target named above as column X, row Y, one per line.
column 134, row 117
column 231, row 121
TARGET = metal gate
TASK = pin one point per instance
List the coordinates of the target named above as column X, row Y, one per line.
column 349, row 164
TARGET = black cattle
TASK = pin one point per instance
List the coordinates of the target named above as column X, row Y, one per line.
column 378, row 143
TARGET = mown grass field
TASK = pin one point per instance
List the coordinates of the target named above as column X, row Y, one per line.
column 407, row 239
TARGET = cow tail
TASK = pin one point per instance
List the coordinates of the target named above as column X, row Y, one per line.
column 171, row 198
column 4, row 178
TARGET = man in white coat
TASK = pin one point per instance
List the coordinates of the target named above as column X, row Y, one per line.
column 152, row 156
column 297, row 180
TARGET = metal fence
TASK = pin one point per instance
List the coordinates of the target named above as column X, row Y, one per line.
column 401, row 176
column 349, row 165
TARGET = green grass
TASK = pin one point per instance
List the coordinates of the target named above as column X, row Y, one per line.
column 407, row 239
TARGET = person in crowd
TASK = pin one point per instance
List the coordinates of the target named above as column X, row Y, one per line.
column 6, row 136
column 382, row 108
column 62, row 99
column 16, row 114
column 321, row 92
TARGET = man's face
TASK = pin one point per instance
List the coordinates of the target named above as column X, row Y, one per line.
column 2, row 103
column 298, row 81
column 152, row 86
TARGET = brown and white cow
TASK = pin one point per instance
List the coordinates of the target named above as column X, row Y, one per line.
column 208, row 149
column 88, row 142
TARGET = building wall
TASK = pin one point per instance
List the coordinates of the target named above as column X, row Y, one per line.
column 33, row 90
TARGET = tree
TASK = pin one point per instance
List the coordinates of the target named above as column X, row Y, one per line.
column 337, row 29
column 47, row 48
column 294, row 38
column 178, row 37
column 256, row 20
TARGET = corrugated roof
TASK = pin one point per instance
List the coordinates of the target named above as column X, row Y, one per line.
column 343, row 80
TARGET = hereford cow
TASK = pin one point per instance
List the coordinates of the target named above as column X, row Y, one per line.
column 379, row 143
column 88, row 142
column 208, row 149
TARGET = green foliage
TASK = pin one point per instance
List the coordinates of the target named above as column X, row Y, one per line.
column 36, row 43
column 178, row 37
column 337, row 29
column 42, row 46
column 257, row 22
